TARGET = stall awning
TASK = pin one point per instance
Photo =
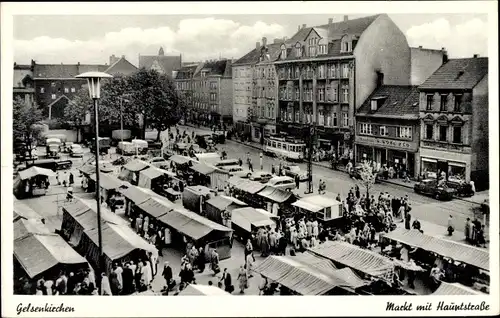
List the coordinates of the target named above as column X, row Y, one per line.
column 210, row 158
column 245, row 185
column 136, row 165
column 454, row 289
column 203, row 168
column 219, row 203
column 107, row 182
column 152, row 172
column 156, row 207
column 24, row 227
column 246, row 217
column 458, row 252
column 191, row 224
column 203, row 290
column 315, row 203
column 85, row 213
column 234, row 200
column 307, row 206
column 135, row 194
column 22, row 210
column 356, row 258
column 180, row 160
column 35, row 171
column 200, row 190
column 305, row 278
column 87, row 169
column 276, row 195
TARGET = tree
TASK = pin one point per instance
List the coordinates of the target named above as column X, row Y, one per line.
column 25, row 120
column 78, row 108
column 368, row 177
column 157, row 100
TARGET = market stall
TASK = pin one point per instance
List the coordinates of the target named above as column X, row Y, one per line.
column 202, row 290
column 39, row 253
column 23, row 211
column 367, row 264
column 32, row 182
column 130, row 171
column 246, row 190
column 152, row 178
column 110, row 185
column 309, row 275
column 218, row 209
column 194, row 198
column 155, row 207
column 133, row 197
column 454, row 289
column 209, row 176
column 278, row 201
column 120, row 242
column 210, row 158
column 187, row 225
column 325, row 209
column 245, row 223
column 180, row 164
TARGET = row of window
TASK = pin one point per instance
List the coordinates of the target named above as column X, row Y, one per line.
column 444, row 102
column 329, row 94
column 323, row 71
column 264, row 72
column 66, row 90
column 263, row 92
column 402, row 132
column 442, row 133
column 266, row 111
column 324, row 119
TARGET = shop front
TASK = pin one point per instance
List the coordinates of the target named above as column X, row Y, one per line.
column 456, row 166
column 398, row 154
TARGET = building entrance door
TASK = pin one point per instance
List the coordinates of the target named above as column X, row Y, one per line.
column 442, row 166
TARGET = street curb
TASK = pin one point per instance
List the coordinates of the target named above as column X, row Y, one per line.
column 319, row 165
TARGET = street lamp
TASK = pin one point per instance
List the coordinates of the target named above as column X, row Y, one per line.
column 94, row 84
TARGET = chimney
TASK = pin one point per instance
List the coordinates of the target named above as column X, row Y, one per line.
column 304, row 26
column 420, row 47
column 123, row 56
column 476, row 56
column 298, row 28
column 330, row 20
column 445, row 55
column 264, row 41
column 285, row 38
column 346, row 18
column 257, row 45
column 380, row 79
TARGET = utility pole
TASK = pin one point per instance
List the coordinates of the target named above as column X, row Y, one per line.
column 121, row 117
column 311, row 131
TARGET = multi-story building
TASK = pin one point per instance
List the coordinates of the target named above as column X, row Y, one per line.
column 209, row 85
column 164, row 64
column 55, row 84
column 184, row 84
column 242, row 74
column 424, row 62
column 388, row 128
column 23, row 83
column 326, row 72
column 454, row 121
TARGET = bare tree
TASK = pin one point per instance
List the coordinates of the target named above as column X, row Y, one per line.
column 367, row 176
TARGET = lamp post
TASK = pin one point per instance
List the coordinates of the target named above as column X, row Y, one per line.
column 122, row 99
column 94, row 84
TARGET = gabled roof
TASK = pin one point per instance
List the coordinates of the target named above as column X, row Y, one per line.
column 166, row 63
column 57, row 100
column 458, row 74
column 393, row 101
column 122, row 66
column 42, row 71
column 253, row 56
column 186, row 72
column 219, row 67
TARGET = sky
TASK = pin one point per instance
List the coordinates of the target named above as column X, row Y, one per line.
column 54, row 39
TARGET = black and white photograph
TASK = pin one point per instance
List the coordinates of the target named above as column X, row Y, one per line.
column 323, row 152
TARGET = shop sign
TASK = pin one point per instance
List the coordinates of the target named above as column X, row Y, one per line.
column 386, row 142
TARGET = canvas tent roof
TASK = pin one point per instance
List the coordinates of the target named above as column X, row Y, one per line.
column 307, row 275
column 315, row 203
column 203, row 290
column 156, row 207
column 191, row 224
column 22, row 210
column 356, row 258
column 246, row 217
column 276, row 195
column 107, row 181
column 35, row 171
column 249, row 186
column 178, row 159
column 135, row 194
column 152, row 172
column 233, row 199
column 136, row 165
column 454, row 289
column 459, row 252
column 221, row 202
column 203, row 168
column 210, row 157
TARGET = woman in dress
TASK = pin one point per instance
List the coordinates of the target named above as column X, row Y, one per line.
column 105, row 286
column 243, row 279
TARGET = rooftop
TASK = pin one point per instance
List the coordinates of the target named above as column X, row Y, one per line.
column 393, row 101
column 458, row 74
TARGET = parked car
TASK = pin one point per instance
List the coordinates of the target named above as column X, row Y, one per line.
column 432, row 187
column 158, row 162
column 237, row 171
column 462, row 188
column 293, row 171
column 284, row 183
column 261, row 176
column 153, row 144
column 76, row 150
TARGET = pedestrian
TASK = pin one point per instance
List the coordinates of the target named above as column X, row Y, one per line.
column 69, row 194
column 105, row 286
column 358, row 192
column 119, row 271
column 243, row 279
column 451, row 227
column 467, row 230
column 116, row 288
column 71, row 179
column 167, row 275
column 240, row 162
column 215, row 262
column 128, row 280
column 297, row 181
column 273, row 170
column 227, row 281
column 62, row 284
column 407, row 221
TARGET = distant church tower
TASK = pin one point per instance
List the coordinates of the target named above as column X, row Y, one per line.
column 160, row 52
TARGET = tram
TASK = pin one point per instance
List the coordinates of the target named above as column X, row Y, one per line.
column 289, row 148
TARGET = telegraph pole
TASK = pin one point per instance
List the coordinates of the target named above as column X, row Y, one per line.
column 311, row 130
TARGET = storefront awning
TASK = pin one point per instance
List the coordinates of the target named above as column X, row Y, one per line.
column 428, row 160
column 276, row 195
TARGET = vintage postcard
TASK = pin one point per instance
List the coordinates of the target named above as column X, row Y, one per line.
column 316, row 150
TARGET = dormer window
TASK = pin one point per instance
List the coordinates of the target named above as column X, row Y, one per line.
column 283, row 51
column 323, row 49
column 346, row 44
